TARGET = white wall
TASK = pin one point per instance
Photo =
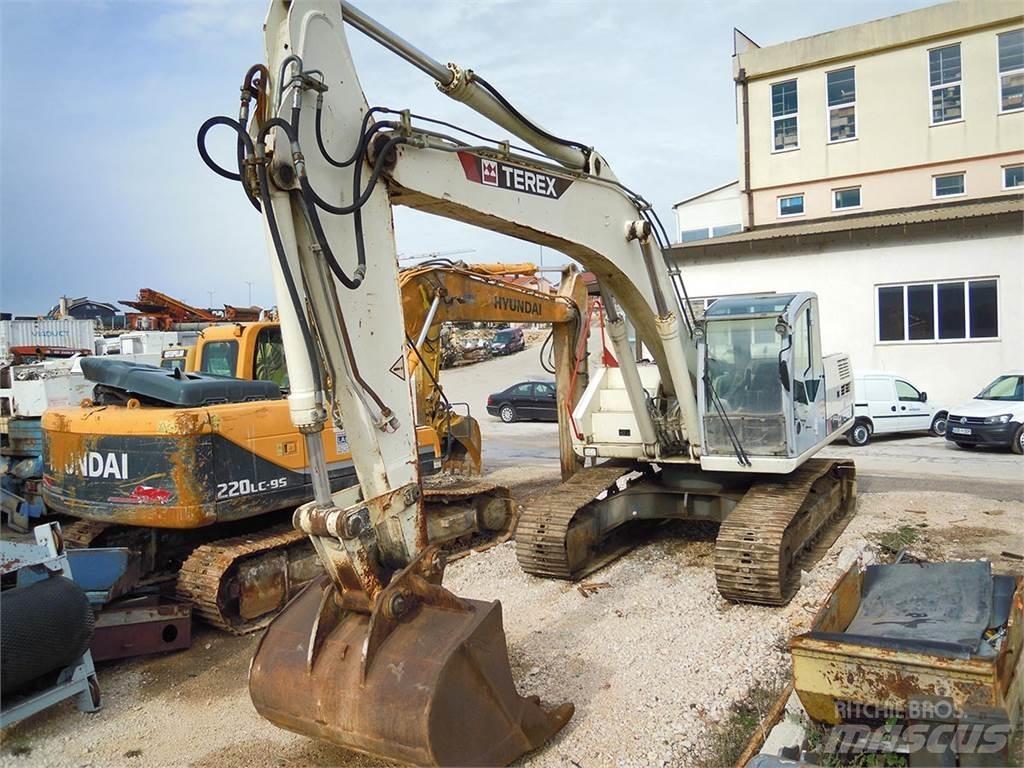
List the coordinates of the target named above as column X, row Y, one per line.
column 845, row 277
column 719, row 208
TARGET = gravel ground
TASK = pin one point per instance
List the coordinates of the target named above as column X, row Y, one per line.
column 653, row 662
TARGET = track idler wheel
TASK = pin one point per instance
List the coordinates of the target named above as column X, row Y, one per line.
column 423, row 679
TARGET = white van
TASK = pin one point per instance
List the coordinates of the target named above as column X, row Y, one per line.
column 885, row 403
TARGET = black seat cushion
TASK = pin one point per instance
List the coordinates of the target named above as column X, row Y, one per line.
column 154, row 385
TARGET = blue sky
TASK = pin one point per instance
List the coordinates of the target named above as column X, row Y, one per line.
column 102, row 191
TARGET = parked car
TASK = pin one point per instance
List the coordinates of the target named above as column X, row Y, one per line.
column 994, row 417
column 507, row 341
column 525, row 400
column 885, row 403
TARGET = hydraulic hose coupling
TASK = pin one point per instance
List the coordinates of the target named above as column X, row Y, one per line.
column 638, row 230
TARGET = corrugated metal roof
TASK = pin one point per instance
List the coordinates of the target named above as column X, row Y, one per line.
column 894, row 218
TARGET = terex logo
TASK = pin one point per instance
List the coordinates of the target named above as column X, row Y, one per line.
column 494, row 173
column 105, row 465
column 489, row 172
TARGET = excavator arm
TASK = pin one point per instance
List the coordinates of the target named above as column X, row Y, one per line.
column 437, row 293
column 391, row 662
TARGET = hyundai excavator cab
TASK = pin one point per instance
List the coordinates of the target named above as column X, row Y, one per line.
column 377, row 655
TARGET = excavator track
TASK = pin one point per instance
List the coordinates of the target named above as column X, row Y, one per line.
column 496, row 514
column 82, row 533
column 239, row 584
column 542, row 536
column 760, row 543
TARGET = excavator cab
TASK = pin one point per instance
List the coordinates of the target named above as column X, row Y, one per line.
column 767, row 392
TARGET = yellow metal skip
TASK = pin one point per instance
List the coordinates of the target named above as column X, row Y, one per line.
column 828, row 674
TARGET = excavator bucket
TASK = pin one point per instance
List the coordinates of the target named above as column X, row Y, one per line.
column 423, row 679
column 464, row 451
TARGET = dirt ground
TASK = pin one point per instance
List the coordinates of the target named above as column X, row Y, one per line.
column 653, row 661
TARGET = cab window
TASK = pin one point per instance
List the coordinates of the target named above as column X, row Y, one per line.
column 220, row 358
column 907, row 393
column 268, row 359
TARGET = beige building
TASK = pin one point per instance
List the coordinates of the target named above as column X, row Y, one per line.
column 882, row 167
column 910, row 110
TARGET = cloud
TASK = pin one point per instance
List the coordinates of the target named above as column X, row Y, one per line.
column 208, row 20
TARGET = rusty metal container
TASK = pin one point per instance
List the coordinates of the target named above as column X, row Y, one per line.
column 434, row 688
column 833, row 675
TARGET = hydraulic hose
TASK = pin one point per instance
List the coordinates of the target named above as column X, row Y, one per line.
column 244, row 149
column 525, row 121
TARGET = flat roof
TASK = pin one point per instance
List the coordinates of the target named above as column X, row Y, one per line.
column 875, row 220
column 910, row 28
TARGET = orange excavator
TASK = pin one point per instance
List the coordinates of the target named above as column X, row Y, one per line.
column 197, row 469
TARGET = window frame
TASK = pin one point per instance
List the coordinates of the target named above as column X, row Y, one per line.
column 1000, row 75
column 829, row 108
column 1003, row 171
column 857, row 207
column 229, row 344
column 959, row 83
column 795, row 115
column 778, row 206
column 936, row 321
column 935, row 189
column 684, row 232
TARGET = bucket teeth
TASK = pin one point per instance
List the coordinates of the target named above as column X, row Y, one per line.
column 438, row 689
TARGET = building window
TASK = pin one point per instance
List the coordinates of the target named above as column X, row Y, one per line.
column 944, row 71
column 842, row 105
column 784, row 119
column 845, row 198
column 689, row 235
column 946, row 311
column 1011, row 71
column 1013, row 176
column 949, row 185
column 791, row 205
column 726, row 229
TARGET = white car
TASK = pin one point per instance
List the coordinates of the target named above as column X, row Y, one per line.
column 885, row 403
column 994, row 417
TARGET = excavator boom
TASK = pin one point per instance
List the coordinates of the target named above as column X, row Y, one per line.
column 437, row 293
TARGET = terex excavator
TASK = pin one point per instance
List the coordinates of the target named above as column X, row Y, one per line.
column 190, row 484
column 377, row 655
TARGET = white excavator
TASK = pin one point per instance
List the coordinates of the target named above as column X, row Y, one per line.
column 723, row 424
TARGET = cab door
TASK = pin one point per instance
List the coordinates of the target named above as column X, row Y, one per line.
column 808, row 375
column 914, row 415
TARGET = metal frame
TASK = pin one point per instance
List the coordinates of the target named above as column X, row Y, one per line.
column 78, row 680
